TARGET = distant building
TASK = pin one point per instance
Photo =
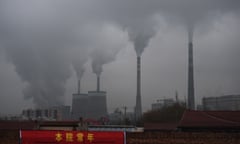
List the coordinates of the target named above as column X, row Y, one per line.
column 227, row 102
column 118, row 117
column 64, row 112
column 162, row 103
column 199, row 107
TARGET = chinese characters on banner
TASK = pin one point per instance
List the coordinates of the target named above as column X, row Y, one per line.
column 71, row 137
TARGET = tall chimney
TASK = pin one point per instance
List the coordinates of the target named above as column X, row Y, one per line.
column 79, row 89
column 191, row 101
column 98, row 83
column 138, row 109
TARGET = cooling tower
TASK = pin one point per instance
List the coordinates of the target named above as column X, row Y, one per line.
column 191, row 101
column 97, row 104
column 79, row 104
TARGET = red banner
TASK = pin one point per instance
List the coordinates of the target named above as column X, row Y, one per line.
column 71, row 137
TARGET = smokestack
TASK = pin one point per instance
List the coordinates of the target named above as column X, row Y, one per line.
column 79, row 89
column 176, row 95
column 138, row 110
column 98, row 83
column 191, row 101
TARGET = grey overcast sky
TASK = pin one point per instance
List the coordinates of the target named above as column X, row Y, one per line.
column 47, row 45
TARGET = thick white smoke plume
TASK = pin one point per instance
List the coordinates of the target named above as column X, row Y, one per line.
column 79, row 58
column 140, row 37
column 36, row 44
column 40, row 40
column 106, row 46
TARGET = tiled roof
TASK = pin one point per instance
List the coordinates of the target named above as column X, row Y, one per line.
column 15, row 125
column 58, row 123
column 160, row 126
column 210, row 119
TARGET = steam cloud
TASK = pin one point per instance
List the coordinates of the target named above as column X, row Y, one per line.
column 37, row 44
column 141, row 38
column 98, row 61
column 78, row 62
column 106, row 49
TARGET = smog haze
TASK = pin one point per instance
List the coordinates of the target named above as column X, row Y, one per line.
column 46, row 46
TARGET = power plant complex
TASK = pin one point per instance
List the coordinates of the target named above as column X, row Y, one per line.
column 92, row 105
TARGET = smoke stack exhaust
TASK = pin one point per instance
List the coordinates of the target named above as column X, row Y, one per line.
column 191, row 100
column 138, row 109
column 79, row 89
column 98, row 83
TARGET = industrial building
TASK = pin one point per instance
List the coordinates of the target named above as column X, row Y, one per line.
column 53, row 113
column 92, row 105
column 226, row 102
column 162, row 103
